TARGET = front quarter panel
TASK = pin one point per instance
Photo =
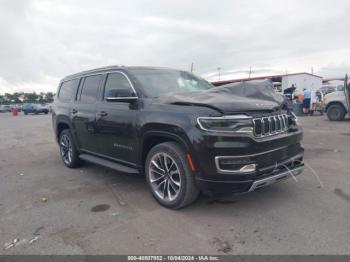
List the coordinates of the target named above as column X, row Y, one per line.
column 172, row 121
column 337, row 96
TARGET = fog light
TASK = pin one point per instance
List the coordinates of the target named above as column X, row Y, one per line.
column 231, row 165
column 248, row 168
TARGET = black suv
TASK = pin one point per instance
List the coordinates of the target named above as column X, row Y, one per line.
column 184, row 134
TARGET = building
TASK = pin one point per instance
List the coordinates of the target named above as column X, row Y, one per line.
column 300, row 81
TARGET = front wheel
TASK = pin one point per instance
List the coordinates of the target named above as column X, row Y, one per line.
column 169, row 176
column 69, row 152
column 336, row 112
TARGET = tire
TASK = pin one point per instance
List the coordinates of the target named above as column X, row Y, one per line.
column 68, row 150
column 336, row 112
column 178, row 189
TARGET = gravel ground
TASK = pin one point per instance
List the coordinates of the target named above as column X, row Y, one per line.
column 94, row 210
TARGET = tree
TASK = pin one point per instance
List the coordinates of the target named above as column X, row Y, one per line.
column 21, row 97
column 49, row 97
column 30, row 97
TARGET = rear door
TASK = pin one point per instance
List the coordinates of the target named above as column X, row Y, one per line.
column 347, row 93
column 84, row 113
column 116, row 122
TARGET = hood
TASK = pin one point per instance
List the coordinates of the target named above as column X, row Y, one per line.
column 335, row 96
column 241, row 97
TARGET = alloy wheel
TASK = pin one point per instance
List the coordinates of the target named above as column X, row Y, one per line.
column 66, row 149
column 164, row 175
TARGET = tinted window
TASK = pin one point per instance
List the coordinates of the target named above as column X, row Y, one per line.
column 116, row 81
column 90, row 89
column 67, row 90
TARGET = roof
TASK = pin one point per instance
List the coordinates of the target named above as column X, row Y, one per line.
column 326, row 80
column 91, row 71
column 272, row 77
column 108, row 68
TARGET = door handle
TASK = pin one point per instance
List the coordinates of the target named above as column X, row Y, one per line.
column 74, row 111
column 102, row 113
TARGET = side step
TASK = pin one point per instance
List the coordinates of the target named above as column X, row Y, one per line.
column 108, row 163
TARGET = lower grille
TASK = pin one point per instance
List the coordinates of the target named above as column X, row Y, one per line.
column 270, row 125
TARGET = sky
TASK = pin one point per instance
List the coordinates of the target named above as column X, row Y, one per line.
column 41, row 41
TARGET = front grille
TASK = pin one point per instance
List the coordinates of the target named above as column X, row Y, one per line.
column 270, row 125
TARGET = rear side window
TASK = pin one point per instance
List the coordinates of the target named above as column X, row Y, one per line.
column 89, row 92
column 67, row 90
column 116, row 81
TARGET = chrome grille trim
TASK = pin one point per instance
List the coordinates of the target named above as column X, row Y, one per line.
column 270, row 125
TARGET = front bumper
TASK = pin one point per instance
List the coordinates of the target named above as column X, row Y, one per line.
column 275, row 178
column 231, row 164
column 211, row 187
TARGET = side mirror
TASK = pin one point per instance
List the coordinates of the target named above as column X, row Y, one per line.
column 120, row 95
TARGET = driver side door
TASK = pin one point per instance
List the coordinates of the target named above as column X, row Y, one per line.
column 116, row 121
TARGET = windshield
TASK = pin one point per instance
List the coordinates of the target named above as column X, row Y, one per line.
column 157, row 82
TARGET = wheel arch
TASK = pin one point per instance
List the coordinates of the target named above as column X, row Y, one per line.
column 60, row 126
column 153, row 138
column 336, row 103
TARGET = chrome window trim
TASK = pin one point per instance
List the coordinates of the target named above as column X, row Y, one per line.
column 105, row 73
column 122, row 97
column 127, row 78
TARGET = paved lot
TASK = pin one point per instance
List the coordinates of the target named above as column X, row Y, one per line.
column 288, row 218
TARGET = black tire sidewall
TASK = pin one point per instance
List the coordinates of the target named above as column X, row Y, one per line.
column 331, row 110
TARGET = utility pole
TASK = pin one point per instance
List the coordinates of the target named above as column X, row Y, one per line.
column 219, row 71
column 192, row 68
column 250, row 71
column 312, row 70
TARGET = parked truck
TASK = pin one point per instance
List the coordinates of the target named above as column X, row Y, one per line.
column 338, row 103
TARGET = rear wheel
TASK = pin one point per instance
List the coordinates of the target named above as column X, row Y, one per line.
column 169, row 176
column 336, row 112
column 69, row 152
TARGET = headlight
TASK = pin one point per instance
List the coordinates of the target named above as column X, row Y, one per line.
column 235, row 123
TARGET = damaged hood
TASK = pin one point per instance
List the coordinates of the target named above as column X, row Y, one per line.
column 240, row 97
